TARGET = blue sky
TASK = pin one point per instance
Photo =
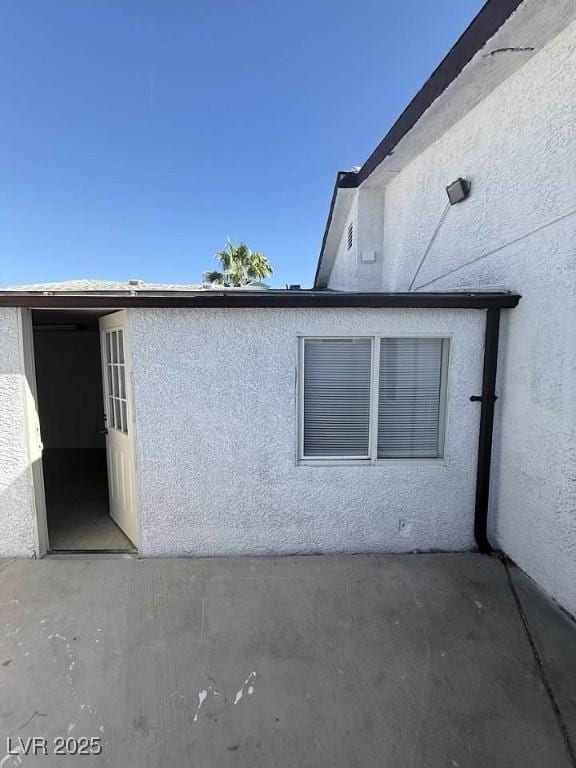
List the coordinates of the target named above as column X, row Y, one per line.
column 137, row 135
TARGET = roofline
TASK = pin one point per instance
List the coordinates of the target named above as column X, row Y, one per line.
column 262, row 300
column 340, row 183
column 485, row 24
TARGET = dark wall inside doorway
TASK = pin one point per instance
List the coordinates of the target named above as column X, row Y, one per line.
column 69, row 383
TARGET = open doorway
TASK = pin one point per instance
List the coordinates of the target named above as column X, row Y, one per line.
column 71, row 410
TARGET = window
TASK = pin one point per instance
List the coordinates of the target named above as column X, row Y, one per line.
column 337, row 397
column 350, row 235
column 372, row 398
column 116, row 381
column 409, row 398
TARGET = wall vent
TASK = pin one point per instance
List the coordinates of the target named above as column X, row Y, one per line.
column 350, row 234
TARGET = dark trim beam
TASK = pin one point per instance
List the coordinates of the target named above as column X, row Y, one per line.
column 263, row 300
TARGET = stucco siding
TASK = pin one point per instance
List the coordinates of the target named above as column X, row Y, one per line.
column 518, row 149
column 516, row 231
column 344, row 274
column 216, row 423
column 17, row 525
column 362, row 267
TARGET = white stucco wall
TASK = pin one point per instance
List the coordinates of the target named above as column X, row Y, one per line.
column 518, row 148
column 344, row 274
column 362, row 267
column 216, row 424
column 17, row 528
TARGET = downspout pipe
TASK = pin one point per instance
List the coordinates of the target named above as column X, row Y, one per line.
column 487, row 400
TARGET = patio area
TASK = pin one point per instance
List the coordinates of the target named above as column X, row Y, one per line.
column 328, row 662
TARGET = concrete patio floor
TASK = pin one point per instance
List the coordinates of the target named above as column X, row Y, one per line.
column 335, row 662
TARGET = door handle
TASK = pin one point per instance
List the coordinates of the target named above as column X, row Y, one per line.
column 103, row 431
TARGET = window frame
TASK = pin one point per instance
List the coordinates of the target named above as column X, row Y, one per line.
column 372, row 458
column 115, row 375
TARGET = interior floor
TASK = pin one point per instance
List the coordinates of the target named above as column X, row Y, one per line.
column 77, row 504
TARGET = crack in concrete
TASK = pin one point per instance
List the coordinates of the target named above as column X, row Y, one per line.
column 5, row 565
column 32, row 716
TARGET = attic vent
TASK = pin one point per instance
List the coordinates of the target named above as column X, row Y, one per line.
column 350, row 234
column 134, row 282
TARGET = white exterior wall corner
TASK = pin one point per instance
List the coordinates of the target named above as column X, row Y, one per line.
column 216, row 424
column 17, row 522
column 352, row 269
column 343, row 274
column 518, row 147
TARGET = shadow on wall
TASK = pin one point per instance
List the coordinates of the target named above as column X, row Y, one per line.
column 57, row 382
column 18, row 529
column 20, row 460
column 496, row 465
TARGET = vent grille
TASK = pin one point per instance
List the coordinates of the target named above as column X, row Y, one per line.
column 350, row 235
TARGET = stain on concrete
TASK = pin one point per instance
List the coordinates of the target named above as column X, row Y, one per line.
column 142, row 725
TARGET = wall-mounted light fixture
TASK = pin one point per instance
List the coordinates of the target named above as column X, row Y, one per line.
column 458, row 191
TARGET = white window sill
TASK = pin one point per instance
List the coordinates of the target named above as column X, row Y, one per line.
column 440, row 462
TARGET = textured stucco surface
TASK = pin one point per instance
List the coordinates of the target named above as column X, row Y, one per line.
column 344, row 274
column 216, row 422
column 527, row 31
column 16, row 502
column 360, row 268
column 518, row 147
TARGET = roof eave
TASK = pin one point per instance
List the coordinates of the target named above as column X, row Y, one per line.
column 484, row 26
column 263, row 300
column 344, row 180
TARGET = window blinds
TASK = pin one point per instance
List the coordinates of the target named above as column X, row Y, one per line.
column 337, row 375
column 410, row 379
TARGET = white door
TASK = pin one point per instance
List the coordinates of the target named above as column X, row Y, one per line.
column 116, row 374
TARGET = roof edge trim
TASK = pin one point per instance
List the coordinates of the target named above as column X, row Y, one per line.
column 271, row 300
column 483, row 26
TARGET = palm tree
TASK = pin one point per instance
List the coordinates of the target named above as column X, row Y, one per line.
column 240, row 266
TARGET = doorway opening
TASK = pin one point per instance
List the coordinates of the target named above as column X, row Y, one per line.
column 73, row 427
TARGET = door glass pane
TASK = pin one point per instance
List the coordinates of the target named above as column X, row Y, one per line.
column 108, row 353
column 115, row 385
column 124, row 417
column 121, row 423
column 122, row 371
column 111, row 422
column 117, row 416
column 109, row 371
column 120, row 346
column 114, row 347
